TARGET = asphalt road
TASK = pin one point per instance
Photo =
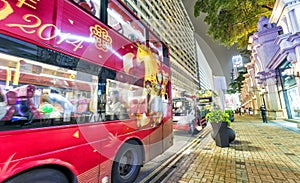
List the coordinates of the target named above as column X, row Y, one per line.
column 163, row 165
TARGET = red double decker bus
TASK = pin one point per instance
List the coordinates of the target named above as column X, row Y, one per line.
column 85, row 92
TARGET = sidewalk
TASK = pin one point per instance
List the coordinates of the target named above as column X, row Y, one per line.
column 261, row 152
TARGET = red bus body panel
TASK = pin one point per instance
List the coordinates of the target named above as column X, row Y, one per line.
column 55, row 23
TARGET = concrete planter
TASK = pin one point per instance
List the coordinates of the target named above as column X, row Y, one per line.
column 222, row 134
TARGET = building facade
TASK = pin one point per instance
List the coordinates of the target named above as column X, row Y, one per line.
column 260, row 82
column 273, row 74
column 205, row 72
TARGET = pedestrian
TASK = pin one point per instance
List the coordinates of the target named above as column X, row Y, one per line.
column 247, row 111
column 263, row 111
column 242, row 111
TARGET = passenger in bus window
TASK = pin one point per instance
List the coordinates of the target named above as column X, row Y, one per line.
column 45, row 108
column 62, row 104
column 54, row 105
column 2, row 106
column 83, row 104
column 114, row 108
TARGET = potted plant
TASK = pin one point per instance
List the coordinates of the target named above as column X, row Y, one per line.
column 221, row 132
column 231, row 115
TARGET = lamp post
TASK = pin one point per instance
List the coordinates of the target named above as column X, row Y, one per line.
column 263, row 96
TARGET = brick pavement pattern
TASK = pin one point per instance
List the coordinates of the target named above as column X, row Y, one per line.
column 261, row 152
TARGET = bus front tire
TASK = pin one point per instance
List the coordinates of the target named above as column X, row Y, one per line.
column 127, row 163
column 45, row 175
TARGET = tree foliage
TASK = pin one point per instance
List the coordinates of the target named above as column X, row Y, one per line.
column 233, row 21
column 237, row 84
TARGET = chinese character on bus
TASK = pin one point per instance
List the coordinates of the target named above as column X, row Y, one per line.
column 103, row 40
column 29, row 3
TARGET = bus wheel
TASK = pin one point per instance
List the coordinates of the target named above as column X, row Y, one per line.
column 45, row 175
column 127, row 163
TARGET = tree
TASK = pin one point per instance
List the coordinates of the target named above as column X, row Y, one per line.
column 233, row 21
column 237, row 84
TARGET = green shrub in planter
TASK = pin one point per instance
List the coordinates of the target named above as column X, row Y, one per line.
column 231, row 115
column 221, row 132
column 218, row 116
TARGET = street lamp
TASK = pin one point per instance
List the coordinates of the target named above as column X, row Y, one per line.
column 262, row 92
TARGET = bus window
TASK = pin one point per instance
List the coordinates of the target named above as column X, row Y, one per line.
column 166, row 55
column 121, row 96
column 156, row 47
column 125, row 23
column 51, row 92
column 91, row 6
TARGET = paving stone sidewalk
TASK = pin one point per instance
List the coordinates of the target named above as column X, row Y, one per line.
column 261, row 152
